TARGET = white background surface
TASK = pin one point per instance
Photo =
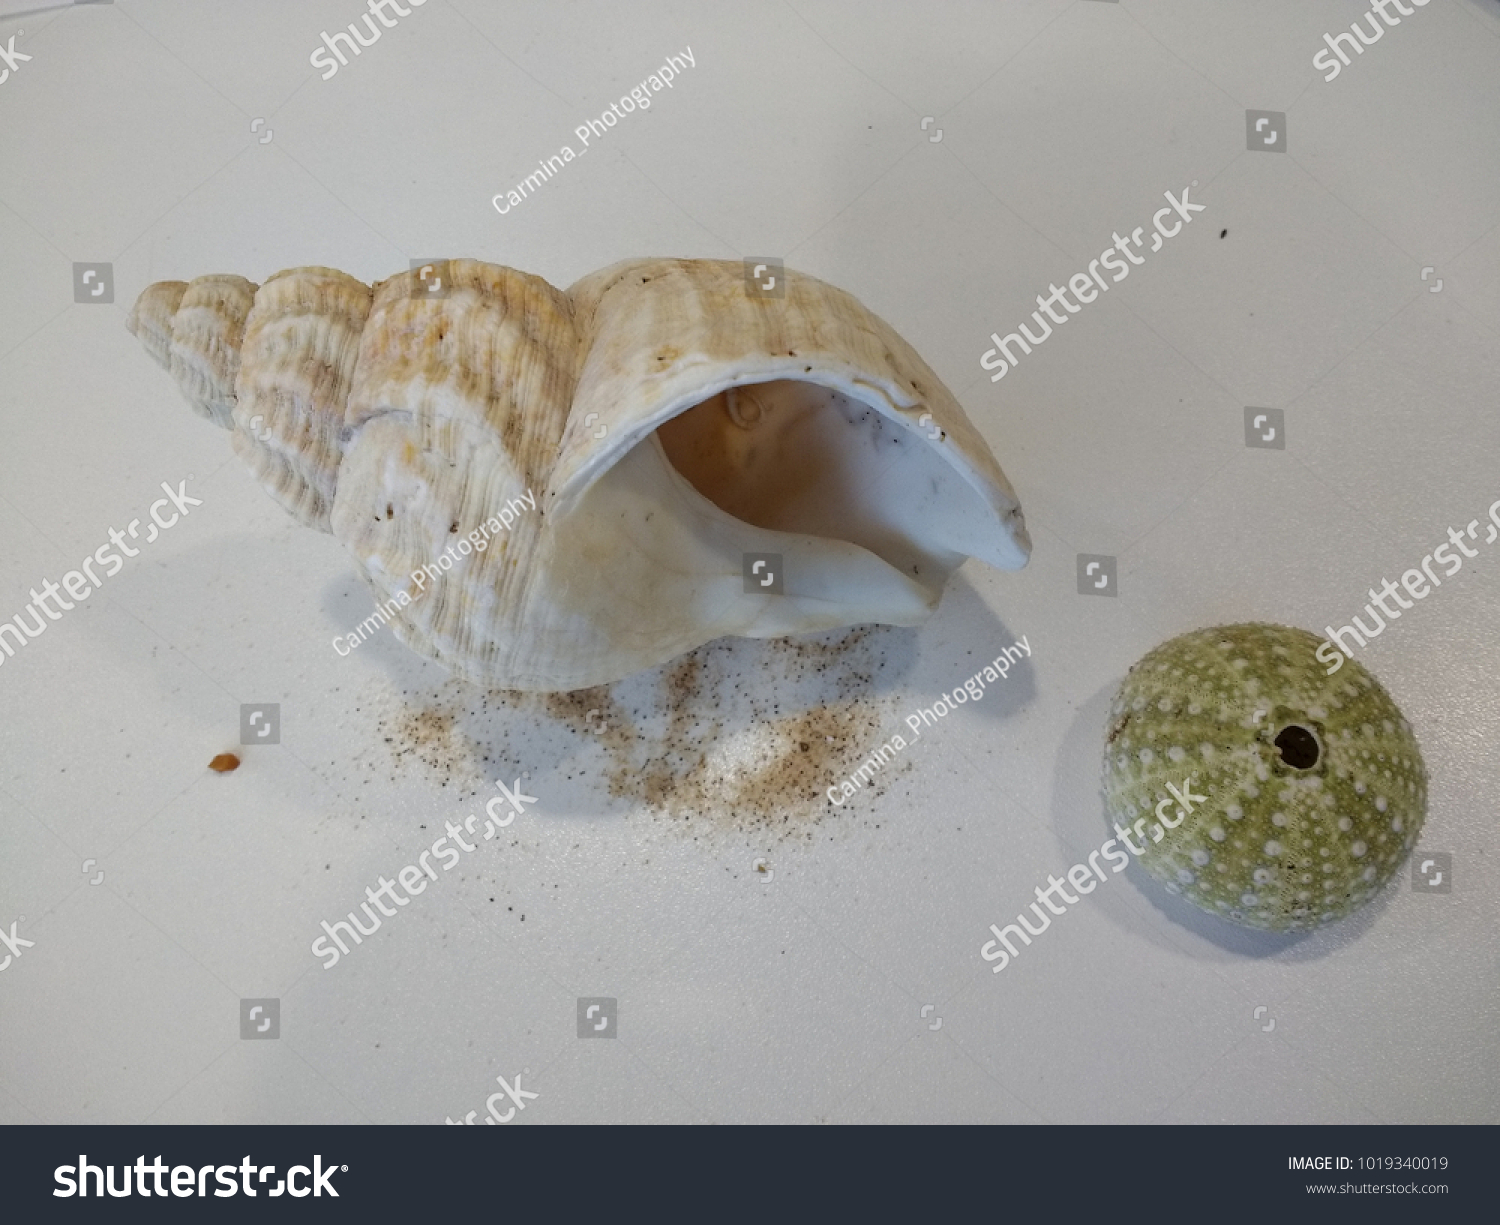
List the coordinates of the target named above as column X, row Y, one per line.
column 127, row 138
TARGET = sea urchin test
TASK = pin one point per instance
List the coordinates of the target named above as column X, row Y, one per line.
column 1316, row 787
column 670, row 423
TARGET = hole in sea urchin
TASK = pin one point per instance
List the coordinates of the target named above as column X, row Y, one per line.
column 1298, row 747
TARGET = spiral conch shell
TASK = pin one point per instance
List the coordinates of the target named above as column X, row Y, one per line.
column 664, row 422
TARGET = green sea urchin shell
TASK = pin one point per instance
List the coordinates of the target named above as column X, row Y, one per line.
column 1314, row 784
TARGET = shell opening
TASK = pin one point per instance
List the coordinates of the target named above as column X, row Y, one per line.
column 1298, row 747
column 796, row 456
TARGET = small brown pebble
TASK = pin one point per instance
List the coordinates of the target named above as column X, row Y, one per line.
column 224, row 762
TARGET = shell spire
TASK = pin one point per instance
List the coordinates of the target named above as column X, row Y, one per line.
column 195, row 330
column 612, row 454
column 273, row 363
